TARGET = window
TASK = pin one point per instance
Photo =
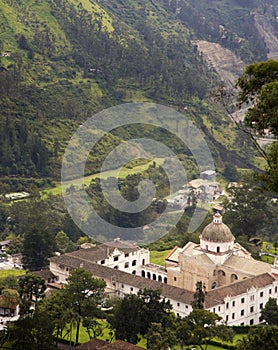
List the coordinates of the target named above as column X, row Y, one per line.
column 131, row 289
column 126, row 265
column 219, row 308
column 133, row 262
column 143, row 262
column 178, row 304
column 207, row 247
column 269, row 291
column 213, row 310
column 242, row 300
column 227, row 305
column 102, row 262
column 122, row 286
column 134, row 272
column 116, row 258
column 251, row 322
column 126, row 255
column 143, row 273
column 242, row 313
column 218, row 249
column 261, row 306
column 276, row 289
column 242, row 324
column 252, row 309
column 233, row 315
column 116, row 267
column 175, row 278
column 252, row 298
column 186, row 306
column 227, row 317
column 261, row 294
column 149, row 275
column 233, row 303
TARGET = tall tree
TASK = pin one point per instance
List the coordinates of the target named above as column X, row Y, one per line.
column 270, row 312
column 31, row 288
column 249, row 211
column 126, row 312
column 259, row 87
column 155, row 309
column 199, row 296
column 38, row 246
column 204, row 325
column 83, row 293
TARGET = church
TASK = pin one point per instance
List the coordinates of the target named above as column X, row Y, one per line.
column 237, row 286
column 217, row 261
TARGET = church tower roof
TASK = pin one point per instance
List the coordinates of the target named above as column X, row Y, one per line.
column 217, row 231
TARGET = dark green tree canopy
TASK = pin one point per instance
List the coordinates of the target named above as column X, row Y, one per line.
column 259, row 86
column 270, row 312
column 259, row 338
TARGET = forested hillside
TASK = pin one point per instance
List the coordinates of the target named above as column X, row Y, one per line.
column 63, row 60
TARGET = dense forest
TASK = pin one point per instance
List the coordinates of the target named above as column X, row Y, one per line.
column 62, row 61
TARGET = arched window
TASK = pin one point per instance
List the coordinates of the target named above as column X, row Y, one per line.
column 143, row 262
column 218, row 249
column 149, row 275
column 134, row 272
column 154, row 276
column 116, row 267
column 165, row 280
column 159, row 278
column 213, row 285
column 143, row 273
column 233, row 277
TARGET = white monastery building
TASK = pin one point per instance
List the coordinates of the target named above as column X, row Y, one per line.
column 237, row 285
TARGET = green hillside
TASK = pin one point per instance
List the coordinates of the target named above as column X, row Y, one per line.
column 64, row 60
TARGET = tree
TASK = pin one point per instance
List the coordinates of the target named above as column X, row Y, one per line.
column 30, row 333
column 63, row 243
column 260, row 338
column 199, row 296
column 270, row 312
column 249, row 211
column 31, row 288
column 38, row 246
column 259, row 85
column 159, row 338
column 204, row 325
column 82, row 295
column 125, row 312
column 154, row 310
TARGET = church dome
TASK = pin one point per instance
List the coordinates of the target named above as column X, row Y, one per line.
column 216, row 231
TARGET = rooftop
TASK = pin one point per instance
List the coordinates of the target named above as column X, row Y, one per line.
column 103, row 251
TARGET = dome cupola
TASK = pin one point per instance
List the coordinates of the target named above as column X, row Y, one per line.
column 216, row 236
column 217, row 231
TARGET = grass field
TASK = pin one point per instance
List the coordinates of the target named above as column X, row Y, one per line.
column 5, row 273
column 121, row 173
column 157, row 257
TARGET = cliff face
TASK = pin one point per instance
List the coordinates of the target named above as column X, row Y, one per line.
column 224, row 62
column 267, row 31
